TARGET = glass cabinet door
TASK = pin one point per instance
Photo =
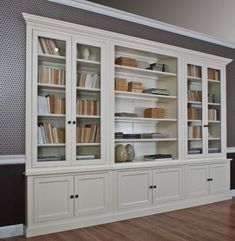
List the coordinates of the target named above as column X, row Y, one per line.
column 49, row 107
column 214, row 110
column 194, row 110
column 87, row 100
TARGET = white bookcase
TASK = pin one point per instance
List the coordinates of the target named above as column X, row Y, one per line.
column 89, row 94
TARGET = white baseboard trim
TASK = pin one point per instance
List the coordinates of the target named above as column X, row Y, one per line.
column 12, row 159
column 11, row 231
column 116, row 13
column 233, row 192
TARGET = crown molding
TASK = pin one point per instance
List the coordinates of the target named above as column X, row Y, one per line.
column 115, row 13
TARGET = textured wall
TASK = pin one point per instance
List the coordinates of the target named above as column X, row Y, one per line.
column 12, row 54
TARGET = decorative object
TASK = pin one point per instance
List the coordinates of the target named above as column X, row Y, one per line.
column 130, row 152
column 86, row 53
column 121, row 154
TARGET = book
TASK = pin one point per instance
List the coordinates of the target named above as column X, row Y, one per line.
column 158, row 157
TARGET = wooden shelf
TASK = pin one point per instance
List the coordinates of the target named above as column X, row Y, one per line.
column 88, row 89
column 193, row 78
column 143, row 72
column 51, row 115
column 88, row 116
column 51, row 145
column 194, row 139
column 213, row 104
column 195, row 102
column 146, row 140
column 142, row 119
column 143, row 96
column 213, row 81
column 87, row 144
column 51, row 86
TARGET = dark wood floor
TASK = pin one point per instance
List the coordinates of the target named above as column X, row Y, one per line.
column 213, row 222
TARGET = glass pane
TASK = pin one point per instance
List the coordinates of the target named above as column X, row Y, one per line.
column 51, row 103
column 88, row 103
column 194, row 105
column 214, row 118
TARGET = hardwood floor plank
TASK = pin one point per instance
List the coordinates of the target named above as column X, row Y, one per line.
column 213, row 222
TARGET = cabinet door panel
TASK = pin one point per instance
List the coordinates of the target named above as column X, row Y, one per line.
column 169, row 185
column 134, row 189
column 197, row 181
column 52, row 198
column 93, row 194
column 220, row 178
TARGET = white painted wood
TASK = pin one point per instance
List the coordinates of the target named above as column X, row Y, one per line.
column 134, row 189
column 197, row 184
column 220, row 178
column 169, row 185
column 109, row 191
column 52, row 198
column 93, row 194
column 11, row 231
column 120, row 14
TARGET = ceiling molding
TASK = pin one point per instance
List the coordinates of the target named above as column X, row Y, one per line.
column 115, row 13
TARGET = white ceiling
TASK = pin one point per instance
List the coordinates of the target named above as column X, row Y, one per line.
column 213, row 17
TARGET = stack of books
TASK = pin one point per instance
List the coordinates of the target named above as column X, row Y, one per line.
column 154, row 135
column 121, row 135
column 157, row 157
column 194, row 95
column 135, row 86
column 156, row 91
column 194, row 132
column 194, row 71
column 126, row 114
column 213, row 74
column 213, row 114
column 194, row 113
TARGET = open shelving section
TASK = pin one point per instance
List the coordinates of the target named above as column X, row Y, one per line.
column 146, row 103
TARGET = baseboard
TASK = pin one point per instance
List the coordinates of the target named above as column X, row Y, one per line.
column 11, row 231
column 233, row 192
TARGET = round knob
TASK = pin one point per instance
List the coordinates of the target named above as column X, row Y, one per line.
column 69, row 122
column 76, row 196
column 71, row 196
column 74, row 122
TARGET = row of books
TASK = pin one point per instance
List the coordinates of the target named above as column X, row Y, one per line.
column 213, row 74
column 194, row 113
column 193, row 70
column 51, row 104
column 48, row 134
column 90, row 133
column 194, row 95
column 87, row 107
column 194, row 132
column 48, row 46
column 88, row 80
column 156, row 91
column 213, row 114
column 51, row 75
column 121, row 135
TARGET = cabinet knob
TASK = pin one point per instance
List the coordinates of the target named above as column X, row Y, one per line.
column 76, row 196
column 206, row 125
column 154, row 186
column 72, row 196
column 150, row 187
column 74, row 122
column 69, row 122
column 209, row 179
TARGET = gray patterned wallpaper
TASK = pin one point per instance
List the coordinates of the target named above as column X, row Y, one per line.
column 12, row 62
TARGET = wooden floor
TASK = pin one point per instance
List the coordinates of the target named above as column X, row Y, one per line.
column 213, row 222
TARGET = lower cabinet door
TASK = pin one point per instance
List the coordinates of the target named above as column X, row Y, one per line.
column 52, row 198
column 92, row 194
column 219, row 175
column 168, row 185
column 197, row 181
column 134, row 189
